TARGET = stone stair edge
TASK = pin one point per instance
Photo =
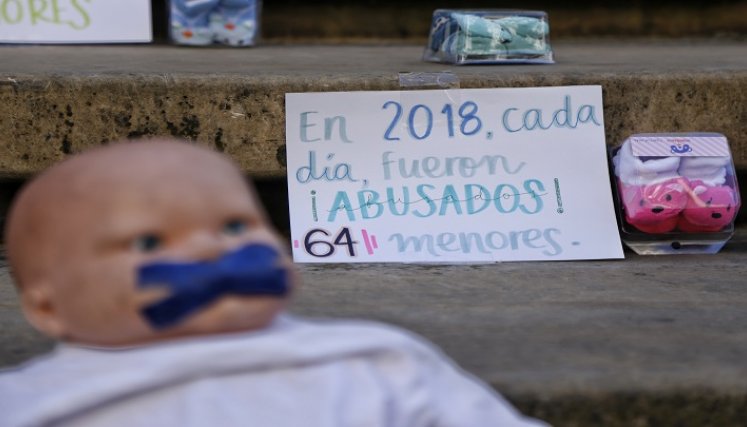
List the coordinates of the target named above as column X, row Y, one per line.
column 112, row 101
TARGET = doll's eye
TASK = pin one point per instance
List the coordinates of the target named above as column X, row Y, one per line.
column 708, row 203
column 147, row 243
column 234, row 227
column 728, row 208
column 668, row 197
column 641, row 202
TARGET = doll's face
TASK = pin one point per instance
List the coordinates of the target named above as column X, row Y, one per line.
column 150, row 202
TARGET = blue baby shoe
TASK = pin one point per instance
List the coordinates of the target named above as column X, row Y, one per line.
column 189, row 21
column 234, row 22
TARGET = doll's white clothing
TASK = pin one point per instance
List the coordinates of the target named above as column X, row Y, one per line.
column 296, row 373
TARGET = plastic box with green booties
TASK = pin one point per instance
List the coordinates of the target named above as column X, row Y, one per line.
column 489, row 37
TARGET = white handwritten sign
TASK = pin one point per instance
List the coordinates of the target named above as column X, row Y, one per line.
column 75, row 21
column 469, row 175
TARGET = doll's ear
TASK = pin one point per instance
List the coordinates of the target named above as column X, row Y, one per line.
column 39, row 309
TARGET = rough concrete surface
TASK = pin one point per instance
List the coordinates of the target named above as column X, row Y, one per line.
column 58, row 100
column 645, row 341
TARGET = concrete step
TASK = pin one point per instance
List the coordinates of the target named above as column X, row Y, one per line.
column 57, row 100
column 648, row 341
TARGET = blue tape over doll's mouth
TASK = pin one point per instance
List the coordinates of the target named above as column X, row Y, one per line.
column 251, row 270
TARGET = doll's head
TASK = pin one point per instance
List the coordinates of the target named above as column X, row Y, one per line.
column 654, row 208
column 137, row 242
column 708, row 208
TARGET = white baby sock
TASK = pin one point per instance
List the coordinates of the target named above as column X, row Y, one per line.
column 710, row 170
column 633, row 171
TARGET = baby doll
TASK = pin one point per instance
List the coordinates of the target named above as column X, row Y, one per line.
column 155, row 266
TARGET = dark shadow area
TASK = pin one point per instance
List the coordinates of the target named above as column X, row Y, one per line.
column 371, row 20
column 274, row 195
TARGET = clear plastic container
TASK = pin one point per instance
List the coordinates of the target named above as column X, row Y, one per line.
column 675, row 192
column 489, row 37
column 208, row 22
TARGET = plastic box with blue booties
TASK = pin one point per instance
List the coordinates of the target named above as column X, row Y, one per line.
column 206, row 22
column 489, row 37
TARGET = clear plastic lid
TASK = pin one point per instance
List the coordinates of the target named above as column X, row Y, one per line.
column 676, row 183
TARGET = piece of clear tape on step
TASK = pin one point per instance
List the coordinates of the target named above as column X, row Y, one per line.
column 445, row 86
column 424, row 80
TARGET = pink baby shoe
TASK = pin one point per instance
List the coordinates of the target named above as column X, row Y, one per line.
column 654, row 208
column 708, row 209
column 652, row 191
column 712, row 204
